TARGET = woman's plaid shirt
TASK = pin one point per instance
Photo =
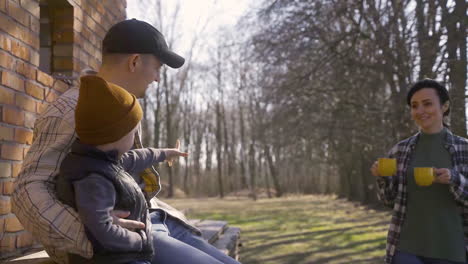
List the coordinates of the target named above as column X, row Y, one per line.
column 393, row 193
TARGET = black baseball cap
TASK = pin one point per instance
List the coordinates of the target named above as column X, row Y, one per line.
column 135, row 36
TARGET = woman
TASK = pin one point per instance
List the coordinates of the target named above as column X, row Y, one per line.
column 428, row 222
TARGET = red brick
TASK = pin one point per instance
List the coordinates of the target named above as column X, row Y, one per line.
column 84, row 56
column 35, row 25
column 18, row 13
column 5, row 170
column 23, row 136
column 31, row 6
column 35, row 90
column 77, row 27
column 13, row 81
column 61, row 86
column 96, row 15
column 25, row 151
column 45, row 78
column 8, row 243
column 19, row 33
column 51, row 96
column 106, row 22
column 6, row 96
column 35, row 58
column 12, row 224
column 19, row 50
column 3, row 5
column 7, row 24
column 93, row 63
column 100, row 8
column 6, row 133
column 41, row 107
column 90, row 23
column 13, row 116
column 78, row 40
column 15, row 169
column 26, row 102
column 5, row 42
column 8, row 187
column 2, row 225
column 25, row 239
column 78, row 14
column 26, row 70
column 11, row 152
column 6, row 61
column 79, row 66
column 29, row 119
column 35, row 41
column 5, row 207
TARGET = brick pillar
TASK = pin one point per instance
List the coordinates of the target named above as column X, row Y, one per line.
column 77, row 29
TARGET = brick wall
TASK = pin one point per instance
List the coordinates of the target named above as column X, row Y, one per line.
column 74, row 43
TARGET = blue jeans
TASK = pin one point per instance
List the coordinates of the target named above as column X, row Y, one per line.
column 402, row 257
column 175, row 244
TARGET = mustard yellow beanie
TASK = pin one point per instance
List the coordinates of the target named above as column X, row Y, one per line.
column 105, row 112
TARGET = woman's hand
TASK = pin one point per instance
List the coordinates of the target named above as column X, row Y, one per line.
column 172, row 154
column 374, row 169
column 442, row 175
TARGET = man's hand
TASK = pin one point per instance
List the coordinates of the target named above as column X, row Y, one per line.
column 119, row 216
column 172, row 154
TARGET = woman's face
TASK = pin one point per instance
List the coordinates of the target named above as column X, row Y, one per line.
column 426, row 110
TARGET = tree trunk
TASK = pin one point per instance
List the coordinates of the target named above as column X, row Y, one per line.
column 252, row 169
column 273, row 171
column 457, row 63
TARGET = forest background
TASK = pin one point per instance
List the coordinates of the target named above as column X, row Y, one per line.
column 299, row 96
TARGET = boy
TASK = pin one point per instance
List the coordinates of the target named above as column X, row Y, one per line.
column 95, row 177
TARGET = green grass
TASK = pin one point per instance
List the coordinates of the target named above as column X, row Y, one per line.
column 298, row 229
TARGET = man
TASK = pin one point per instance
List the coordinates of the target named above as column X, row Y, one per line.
column 133, row 54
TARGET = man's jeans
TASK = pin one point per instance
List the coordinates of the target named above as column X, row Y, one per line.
column 408, row 258
column 175, row 244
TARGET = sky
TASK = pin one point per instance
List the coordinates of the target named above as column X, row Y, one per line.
column 193, row 14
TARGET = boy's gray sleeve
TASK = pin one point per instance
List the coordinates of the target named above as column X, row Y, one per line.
column 137, row 160
column 95, row 199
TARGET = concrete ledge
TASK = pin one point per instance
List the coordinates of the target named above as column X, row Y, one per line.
column 216, row 233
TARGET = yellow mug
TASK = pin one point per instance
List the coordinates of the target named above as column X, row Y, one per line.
column 387, row 166
column 424, row 176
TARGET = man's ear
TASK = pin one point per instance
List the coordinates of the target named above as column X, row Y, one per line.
column 133, row 61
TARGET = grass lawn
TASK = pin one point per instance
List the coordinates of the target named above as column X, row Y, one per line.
column 298, row 229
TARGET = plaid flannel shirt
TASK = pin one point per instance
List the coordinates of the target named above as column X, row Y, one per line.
column 392, row 191
column 53, row 224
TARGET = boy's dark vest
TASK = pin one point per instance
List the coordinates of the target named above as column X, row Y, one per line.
column 81, row 162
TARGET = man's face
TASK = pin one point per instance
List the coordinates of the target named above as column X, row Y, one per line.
column 146, row 71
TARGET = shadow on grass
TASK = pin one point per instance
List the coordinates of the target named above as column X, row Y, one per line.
column 286, row 238
column 299, row 229
column 305, row 257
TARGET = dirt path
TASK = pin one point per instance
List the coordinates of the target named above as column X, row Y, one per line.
column 298, row 229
